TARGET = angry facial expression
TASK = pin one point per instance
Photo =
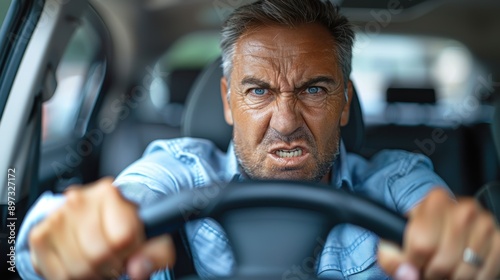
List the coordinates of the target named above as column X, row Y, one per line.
column 287, row 102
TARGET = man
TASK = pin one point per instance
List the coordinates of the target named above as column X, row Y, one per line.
column 286, row 91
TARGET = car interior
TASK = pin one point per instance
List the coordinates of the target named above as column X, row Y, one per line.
column 86, row 85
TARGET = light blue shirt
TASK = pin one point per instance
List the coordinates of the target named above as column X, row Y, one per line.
column 397, row 179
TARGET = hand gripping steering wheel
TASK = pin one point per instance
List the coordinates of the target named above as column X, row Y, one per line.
column 272, row 226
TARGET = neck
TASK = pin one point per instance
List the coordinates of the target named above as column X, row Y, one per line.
column 327, row 178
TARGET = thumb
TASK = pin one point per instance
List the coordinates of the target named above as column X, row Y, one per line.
column 157, row 253
column 391, row 259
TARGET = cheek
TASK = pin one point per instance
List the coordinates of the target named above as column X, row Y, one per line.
column 324, row 122
column 249, row 126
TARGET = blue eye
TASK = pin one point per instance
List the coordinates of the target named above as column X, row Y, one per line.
column 259, row 91
column 313, row 90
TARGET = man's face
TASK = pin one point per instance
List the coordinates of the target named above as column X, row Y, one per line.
column 287, row 102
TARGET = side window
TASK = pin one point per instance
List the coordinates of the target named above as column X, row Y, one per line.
column 177, row 70
column 4, row 7
column 79, row 76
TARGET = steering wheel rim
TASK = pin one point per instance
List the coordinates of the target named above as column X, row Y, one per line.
column 259, row 214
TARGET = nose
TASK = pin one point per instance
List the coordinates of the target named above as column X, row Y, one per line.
column 286, row 117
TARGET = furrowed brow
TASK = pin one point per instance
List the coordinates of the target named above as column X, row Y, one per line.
column 316, row 80
column 255, row 82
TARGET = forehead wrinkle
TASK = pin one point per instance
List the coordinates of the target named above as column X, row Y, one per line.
column 281, row 73
column 260, row 49
column 278, row 57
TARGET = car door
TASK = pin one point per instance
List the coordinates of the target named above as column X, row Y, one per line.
column 17, row 27
column 52, row 68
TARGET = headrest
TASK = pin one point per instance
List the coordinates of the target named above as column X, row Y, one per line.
column 411, row 95
column 179, row 83
column 204, row 115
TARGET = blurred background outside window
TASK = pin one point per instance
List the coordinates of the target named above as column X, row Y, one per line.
column 4, row 7
column 79, row 76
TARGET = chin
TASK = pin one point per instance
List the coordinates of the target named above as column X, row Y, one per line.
column 290, row 175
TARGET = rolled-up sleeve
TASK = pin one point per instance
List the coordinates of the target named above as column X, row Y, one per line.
column 397, row 179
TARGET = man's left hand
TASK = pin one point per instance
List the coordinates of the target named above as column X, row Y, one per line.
column 445, row 239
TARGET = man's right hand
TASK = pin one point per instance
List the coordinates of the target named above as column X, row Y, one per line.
column 97, row 234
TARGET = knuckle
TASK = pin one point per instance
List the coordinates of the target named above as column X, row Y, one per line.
column 105, row 185
column 488, row 224
column 465, row 214
column 418, row 242
column 121, row 223
column 112, row 194
column 91, row 256
column 74, row 199
column 421, row 248
column 37, row 237
column 55, row 219
column 438, row 197
column 122, row 237
column 41, row 234
column 439, row 270
column 469, row 205
column 95, row 256
column 106, row 180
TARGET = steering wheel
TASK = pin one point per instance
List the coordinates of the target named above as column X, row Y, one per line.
column 272, row 225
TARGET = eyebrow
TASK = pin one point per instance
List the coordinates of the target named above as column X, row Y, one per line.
column 315, row 80
column 319, row 79
column 255, row 81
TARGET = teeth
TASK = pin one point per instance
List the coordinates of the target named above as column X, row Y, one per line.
column 289, row 153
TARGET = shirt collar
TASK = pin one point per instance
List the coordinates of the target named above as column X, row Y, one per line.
column 232, row 162
column 341, row 178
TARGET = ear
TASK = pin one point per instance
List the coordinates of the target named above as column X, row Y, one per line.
column 344, row 118
column 225, row 101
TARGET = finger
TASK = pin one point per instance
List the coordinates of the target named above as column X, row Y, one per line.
column 123, row 230
column 94, row 244
column 480, row 242
column 158, row 253
column 392, row 261
column 72, row 254
column 48, row 264
column 424, row 230
column 491, row 267
column 44, row 259
column 71, row 257
column 459, row 223
column 389, row 256
column 120, row 232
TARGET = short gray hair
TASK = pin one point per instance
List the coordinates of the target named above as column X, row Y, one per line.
column 290, row 13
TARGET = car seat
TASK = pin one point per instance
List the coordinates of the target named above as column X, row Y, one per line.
column 204, row 115
column 489, row 195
